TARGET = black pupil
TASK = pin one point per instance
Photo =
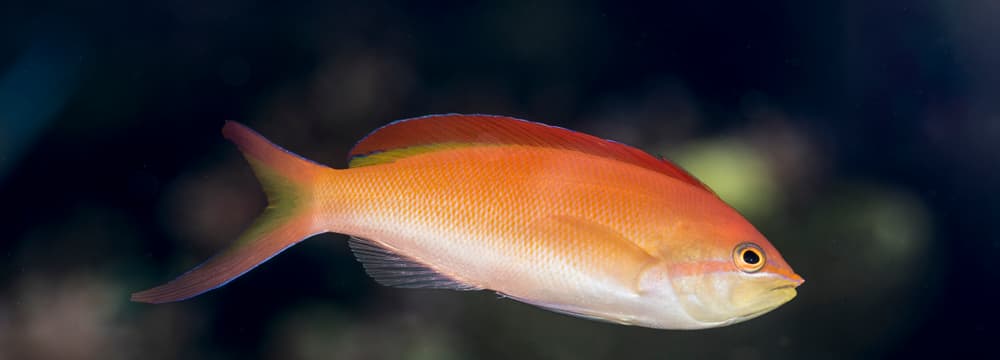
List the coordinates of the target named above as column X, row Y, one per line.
column 751, row 257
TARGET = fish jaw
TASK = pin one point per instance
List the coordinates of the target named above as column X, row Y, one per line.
column 689, row 302
column 719, row 298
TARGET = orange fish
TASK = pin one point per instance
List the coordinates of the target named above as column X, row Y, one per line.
column 541, row 214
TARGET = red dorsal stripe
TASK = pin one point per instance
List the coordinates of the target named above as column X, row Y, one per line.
column 492, row 129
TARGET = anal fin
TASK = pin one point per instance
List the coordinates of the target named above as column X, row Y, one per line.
column 393, row 269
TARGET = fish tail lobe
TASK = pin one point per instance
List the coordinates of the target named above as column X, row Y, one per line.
column 288, row 180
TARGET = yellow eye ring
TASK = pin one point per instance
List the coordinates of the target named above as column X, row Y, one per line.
column 749, row 257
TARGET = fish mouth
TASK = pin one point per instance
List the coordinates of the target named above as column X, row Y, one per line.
column 783, row 294
column 788, row 286
column 773, row 298
column 789, row 283
column 776, row 297
column 793, row 280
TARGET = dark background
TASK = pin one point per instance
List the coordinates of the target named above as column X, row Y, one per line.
column 861, row 138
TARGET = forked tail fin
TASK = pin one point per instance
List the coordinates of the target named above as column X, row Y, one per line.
column 287, row 180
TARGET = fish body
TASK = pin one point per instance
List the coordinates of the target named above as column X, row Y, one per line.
column 540, row 214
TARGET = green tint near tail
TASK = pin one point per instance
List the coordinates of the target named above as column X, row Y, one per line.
column 285, row 200
column 287, row 180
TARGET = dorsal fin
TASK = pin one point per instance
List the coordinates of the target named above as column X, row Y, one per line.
column 408, row 137
column 391, row 269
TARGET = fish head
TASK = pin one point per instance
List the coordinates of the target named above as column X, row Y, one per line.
column 725, row 281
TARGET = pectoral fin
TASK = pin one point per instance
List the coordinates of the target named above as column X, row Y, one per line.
column 597, row 248
column 599, row 264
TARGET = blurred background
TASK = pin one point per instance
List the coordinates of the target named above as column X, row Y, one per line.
column 861, row 138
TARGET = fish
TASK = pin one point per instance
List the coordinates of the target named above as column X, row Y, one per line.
column 548, row 216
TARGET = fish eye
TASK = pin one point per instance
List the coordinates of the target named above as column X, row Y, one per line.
column 749, row 257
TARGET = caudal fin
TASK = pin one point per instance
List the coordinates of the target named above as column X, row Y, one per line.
column 289, row 218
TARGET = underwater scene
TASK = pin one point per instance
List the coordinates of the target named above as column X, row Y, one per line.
column 499, row 180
